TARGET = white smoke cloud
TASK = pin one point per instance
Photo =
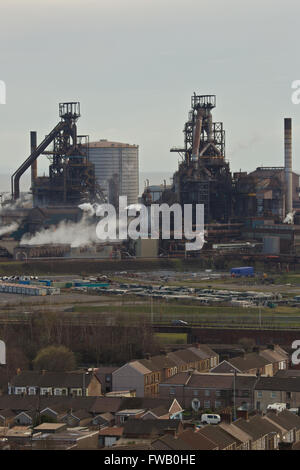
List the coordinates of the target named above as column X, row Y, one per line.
column 88, row 208
column 8, row 228
column 76, row 234
column 24, row 202
column 66, row 232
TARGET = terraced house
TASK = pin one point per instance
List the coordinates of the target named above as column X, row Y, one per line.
column 276, row 389
column 78, row 383
column 264, row 361
column 145, row 375
column 210, row 390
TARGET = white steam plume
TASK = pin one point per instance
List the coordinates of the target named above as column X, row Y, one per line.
column 24, row 202
column 8, row 228
column 66, row 232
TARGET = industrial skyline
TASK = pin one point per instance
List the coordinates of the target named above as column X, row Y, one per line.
column 143, row 59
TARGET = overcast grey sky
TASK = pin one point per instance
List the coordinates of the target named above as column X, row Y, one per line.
column 133, row 65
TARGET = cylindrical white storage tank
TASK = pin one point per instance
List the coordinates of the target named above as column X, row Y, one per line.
column 116, row 168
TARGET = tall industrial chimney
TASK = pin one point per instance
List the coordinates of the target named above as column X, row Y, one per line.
column 288, row 165
column 33, row 140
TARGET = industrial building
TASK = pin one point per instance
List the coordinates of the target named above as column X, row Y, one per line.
column 92, row 251
column 71, row 177
column 239, row 208
column 116, row 169
column 252, row 212
column 203, row 177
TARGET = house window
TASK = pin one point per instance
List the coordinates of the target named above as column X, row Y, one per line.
column 123, row 419
column 172, row 391
column 273, row 394
column 206, row 404
column 20, row 390
column 259, row 394
column 195, row 393
column 218, row 393
column 31, row 391
column 207, row 393
column 218, row 404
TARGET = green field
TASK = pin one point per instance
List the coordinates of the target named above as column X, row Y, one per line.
column 171, row 338
column 165, row 312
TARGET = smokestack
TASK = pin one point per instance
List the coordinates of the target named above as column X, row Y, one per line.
column 288, row 165
column 33, row 139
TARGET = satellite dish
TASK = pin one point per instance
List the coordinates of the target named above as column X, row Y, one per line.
column 2, row 352
column 195, row 404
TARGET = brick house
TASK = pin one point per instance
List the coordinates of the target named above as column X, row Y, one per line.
column 210, row 390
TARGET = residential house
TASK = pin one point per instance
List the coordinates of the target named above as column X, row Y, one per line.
column 276, row 389
column 7, row 418
column 277, row 357
column 103, row 420
column 165, row 411
column 109, row 436
column 264, row 435
column 148, row 408
column 209, row 357
column 264, row 361
column 79, row 383
column 210, row 390
column 76, row 418
column 238, row 434
column 186, row 359
column 145, row 375
column 25, row 418
column 251, row 363
column 150, row 429
column 221, row 438
column 189, row 439
column 65, row 439
column 287, row 422
column 104, row 375
column 135, row 375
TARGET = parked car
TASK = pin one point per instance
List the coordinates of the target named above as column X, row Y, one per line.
column 179, row 323
column 210, row 419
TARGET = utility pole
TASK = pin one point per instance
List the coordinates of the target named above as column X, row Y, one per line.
column 234, row 393
column 151, row 304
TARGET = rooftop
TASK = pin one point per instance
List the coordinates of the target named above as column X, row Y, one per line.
column 103, row 143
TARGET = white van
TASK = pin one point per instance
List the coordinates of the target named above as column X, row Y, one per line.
column 277, row 406
column 210, row 419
